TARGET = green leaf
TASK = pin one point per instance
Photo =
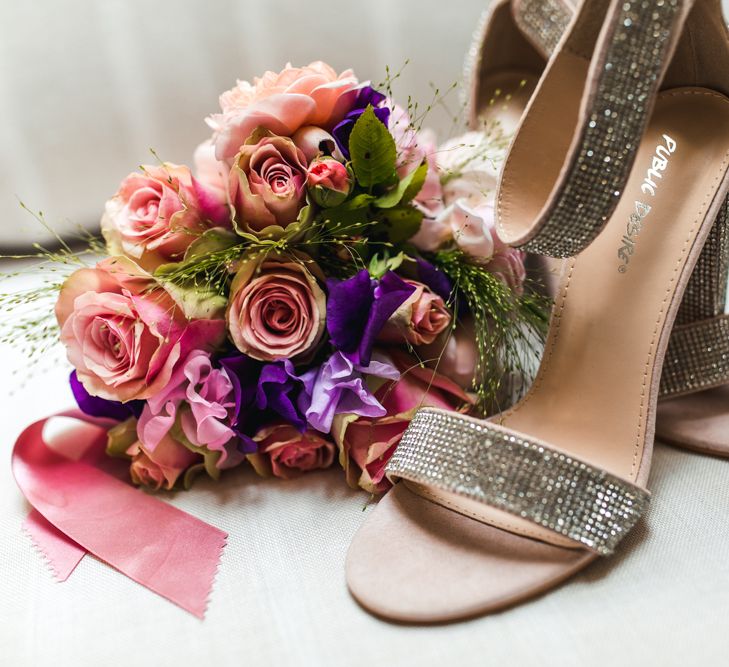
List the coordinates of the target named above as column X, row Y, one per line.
column 400, row 223
column 416, row 183
column 120, row 438
column 380, row 264
column 217, row 238
column 406, row 189
column 349, row 219
column 372, row 149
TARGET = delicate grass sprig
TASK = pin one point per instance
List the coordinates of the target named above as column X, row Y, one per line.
column 27, row 316
column 509, row 328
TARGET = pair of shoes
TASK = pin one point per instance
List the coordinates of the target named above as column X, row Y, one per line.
column 620, row 165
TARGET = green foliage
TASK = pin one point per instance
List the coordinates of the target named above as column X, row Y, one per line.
column 509, row 328
column 381, row 263
column 373, row 151
column 406, row 189
column 400, row 223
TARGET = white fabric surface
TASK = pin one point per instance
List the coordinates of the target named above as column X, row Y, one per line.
column 88, row 87
column 85, row 89
column 280, row 597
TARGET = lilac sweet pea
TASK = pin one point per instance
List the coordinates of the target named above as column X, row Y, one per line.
column 366, row 96
column 357, row 309
column 338, row 386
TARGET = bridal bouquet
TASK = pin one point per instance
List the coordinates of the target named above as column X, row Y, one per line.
column 324, row 272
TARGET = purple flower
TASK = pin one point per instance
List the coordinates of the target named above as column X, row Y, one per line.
column 367, row 96
column 263, row 392
column 240, row 369
column 94, row 406
column 338, row 386
column 278, row 390
column 357, row 309
column 434, row 278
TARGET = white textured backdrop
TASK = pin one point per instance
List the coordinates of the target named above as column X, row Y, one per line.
column 87, row 87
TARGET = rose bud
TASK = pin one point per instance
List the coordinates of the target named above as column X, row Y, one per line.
column 329, row 182
column 419, row 320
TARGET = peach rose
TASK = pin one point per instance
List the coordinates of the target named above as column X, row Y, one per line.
column 276, row 310
column 282, row 103
column 418, row 320
column 124, row 333
column 285, row 452
column 267, row 185
column 162, row 466
column 366, row 444
column 155, row 215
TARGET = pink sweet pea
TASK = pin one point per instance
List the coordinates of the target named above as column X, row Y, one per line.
column 124, row 333
column 282, row 103
column 204, row 400
column 366, row 444
column 157, row 214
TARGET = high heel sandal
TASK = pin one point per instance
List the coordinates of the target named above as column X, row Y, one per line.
column 627, row 182
column 508, row 54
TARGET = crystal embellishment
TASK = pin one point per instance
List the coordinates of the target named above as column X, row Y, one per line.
column 544, row 21
column 509, row 471
column 630, row 71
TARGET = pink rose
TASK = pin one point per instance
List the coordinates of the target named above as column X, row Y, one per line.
column 212, row 173
column 454, row 353
column 285, row 452
column 418, row 320
column 124, row 333
column 276, row 310
column 367, row 444
column 508, row 264
column 203, row 399
column 282, row 103
column 161, row 467
column 157, row 214
column 267, row 185
column 329, row 181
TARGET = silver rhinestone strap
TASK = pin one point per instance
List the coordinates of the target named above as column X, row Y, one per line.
column 697, row 357
column 705, row 294
column 543, row 21
column 628, row 75
column 506, row 470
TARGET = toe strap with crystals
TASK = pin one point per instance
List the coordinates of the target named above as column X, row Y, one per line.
column 520, row 475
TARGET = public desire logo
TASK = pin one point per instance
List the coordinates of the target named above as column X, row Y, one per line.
column 649, row 188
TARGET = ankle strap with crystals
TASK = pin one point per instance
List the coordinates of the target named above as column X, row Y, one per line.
column 559, row 188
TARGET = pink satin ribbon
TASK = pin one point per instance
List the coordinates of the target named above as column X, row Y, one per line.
column 80, row 508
